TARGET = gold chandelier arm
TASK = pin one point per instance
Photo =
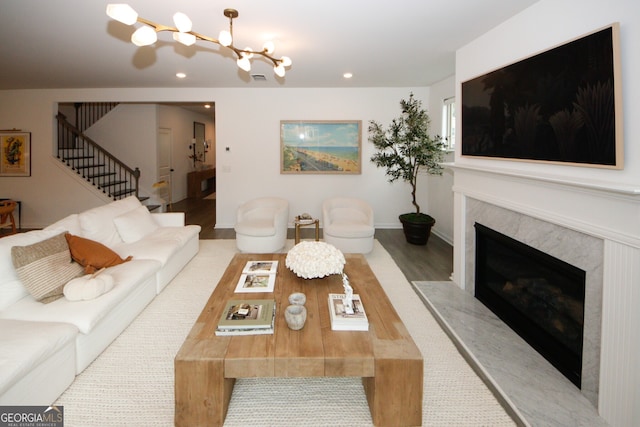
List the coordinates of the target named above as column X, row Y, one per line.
column 160, row 27
column 157, row 27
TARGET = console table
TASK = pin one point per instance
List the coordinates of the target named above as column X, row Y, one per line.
column 195, row 178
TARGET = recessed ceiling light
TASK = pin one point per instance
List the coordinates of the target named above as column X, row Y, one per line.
column 347, row 75
column 181, row 75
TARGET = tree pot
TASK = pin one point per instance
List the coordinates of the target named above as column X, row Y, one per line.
column 417, row 227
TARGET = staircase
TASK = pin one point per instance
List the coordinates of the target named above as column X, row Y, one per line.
column 95, row 164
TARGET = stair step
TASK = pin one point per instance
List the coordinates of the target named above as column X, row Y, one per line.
column 143, row 198
column 122, row 192
column 98, row 175
column 97, row 165
column 76, row 157
column 111, row 184
column 152, row 207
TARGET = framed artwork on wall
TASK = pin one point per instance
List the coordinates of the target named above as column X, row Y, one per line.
column 560, row 106
column 320, row 147
column 16, row 153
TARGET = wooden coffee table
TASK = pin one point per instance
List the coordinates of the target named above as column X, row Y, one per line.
column 386, row 357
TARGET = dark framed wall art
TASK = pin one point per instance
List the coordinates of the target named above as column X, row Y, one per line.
column 16, row 153
column 561, row 106
column 321, row 146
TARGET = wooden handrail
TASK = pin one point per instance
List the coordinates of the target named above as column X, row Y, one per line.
column 96, row 164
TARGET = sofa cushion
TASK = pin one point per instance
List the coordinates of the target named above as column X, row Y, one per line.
column 97, row 223
column 25, row 345
column 70, row 224
column 45, row 267
column 87, row 287
column 11, row 288
column 161, row 244
column 85, row 315
column 92, row 255
column 136, row 224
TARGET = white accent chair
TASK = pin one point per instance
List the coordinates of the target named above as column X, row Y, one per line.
column 348, row 224
column 261, row 225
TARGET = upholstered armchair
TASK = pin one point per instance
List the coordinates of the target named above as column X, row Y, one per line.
column 348, row 224
column 261, row 225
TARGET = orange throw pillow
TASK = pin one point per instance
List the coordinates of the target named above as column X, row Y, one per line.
column 92, row 255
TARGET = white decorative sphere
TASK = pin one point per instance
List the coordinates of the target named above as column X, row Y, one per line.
column 310, row 260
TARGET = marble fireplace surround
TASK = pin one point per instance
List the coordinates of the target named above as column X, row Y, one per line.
column 578, row 249
column 550, row 212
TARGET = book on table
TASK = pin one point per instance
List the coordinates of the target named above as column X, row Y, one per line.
column 260, row 267
column 342, row 320
column 247, row 317
column 258, row 276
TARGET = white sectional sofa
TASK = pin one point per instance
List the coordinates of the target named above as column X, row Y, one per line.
column 43, row 346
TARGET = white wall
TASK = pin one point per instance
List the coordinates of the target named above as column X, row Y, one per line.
column 247, row 121
column 600, row 202
column 129, row 133
column 436, row 190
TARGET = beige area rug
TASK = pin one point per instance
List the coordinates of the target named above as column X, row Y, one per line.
column 211, row 196
column 131, row 382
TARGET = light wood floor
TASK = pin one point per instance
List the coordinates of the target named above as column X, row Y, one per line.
column 431, row 262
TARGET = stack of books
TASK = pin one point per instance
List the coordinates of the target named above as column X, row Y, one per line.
column 344, row 320
column 247, row 317
column 258, row 276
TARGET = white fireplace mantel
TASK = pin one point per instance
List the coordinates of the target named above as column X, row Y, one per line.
column 601, row 186
column 605, row 210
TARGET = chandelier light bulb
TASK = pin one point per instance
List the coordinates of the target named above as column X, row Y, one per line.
column 249, row 53
column 144, row 36
column 279, row 70
column 269, row 47
column 182, row 21
column 244, row 63
column 285, row 61
column 225, row 38
column 184, row 38
column 122, row 13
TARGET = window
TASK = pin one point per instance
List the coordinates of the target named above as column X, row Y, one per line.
column 449, row 122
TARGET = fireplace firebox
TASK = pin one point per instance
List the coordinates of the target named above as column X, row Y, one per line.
column 539, row 296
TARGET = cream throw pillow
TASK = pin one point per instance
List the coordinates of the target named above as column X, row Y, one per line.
column 45, row 267
column 88, row 287
column 134, row 225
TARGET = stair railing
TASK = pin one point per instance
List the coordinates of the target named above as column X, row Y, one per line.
column 88, row 113
column 94, row 163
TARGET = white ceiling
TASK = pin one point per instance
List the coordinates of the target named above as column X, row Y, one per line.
column 74, row 44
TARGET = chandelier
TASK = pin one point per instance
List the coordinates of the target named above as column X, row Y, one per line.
column 147, row 35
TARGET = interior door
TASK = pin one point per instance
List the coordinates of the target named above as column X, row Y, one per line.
column 164, row 163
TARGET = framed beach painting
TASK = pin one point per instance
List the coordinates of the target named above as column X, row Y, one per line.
column 321, row 147
column 16, row 153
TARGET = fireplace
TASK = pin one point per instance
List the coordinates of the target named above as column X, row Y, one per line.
column 539, row 296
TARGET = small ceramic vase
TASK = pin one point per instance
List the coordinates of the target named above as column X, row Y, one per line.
column 295, row 315
column 297, row 298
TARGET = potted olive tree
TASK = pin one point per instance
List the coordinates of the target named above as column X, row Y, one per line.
column 405, row 148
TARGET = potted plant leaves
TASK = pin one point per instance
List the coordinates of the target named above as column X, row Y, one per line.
column 405, row 148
